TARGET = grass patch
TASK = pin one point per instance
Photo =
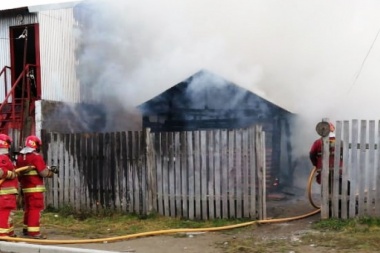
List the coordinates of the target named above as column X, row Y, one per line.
column 84, row 224
column 353, row 235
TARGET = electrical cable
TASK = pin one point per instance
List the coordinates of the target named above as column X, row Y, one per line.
column 170, row 231
column 363, row 62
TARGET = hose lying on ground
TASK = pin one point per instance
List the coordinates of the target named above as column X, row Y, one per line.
column 171, row 231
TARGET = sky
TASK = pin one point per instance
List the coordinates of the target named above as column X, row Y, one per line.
column 319, row 59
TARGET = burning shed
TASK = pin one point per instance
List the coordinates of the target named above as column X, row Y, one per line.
column 206, row 101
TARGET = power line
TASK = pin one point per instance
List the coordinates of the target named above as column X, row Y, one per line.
column 365, row 59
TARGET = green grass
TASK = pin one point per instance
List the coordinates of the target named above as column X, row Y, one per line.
column 66, row 221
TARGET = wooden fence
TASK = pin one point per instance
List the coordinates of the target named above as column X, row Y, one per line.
column 356, row 191
column 194, row 175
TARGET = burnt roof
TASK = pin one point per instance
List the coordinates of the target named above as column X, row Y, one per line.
column 205, row 91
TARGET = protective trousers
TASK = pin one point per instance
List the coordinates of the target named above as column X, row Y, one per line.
column 33, row 206
column 7, row 205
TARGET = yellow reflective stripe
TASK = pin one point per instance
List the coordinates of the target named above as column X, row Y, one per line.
column 39, row 188
column 33, row 229
column 4, row 230
column 5, row 191
column 30, row 173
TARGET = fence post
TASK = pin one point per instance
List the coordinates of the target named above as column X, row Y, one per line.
column 325, row 199
column 150, row 181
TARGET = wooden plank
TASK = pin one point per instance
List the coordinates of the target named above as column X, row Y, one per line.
column 68, row 191
column 217, row 173
column 62, row 166
column 377, row 176
column 264, row 173
column 137, row 172
column 90, row 157
column 245, row 173
column 56, row 180
column 260, row 158
column 125, row 202
column 190, row 161
column 325, row 185
column 210, row 137
column 101, row 170
column 171, row 174
column 75, row 175
column 336, row 198
column 354, row 166
column 142, row 161
column 159, row 177
column 151, row 181
column 203, row 166
column 239, row 173
column 252, row 173
column 131, row 173
column 224, row 174
column 165, row 172
column 345, row 168
column 370, row 172
column 197, row 175
column 362, row 168
column 177, row 172
column 184, row 175
column 116, row 157
column 231, row 174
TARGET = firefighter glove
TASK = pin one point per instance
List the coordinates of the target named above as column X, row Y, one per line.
column 54, row 169
column 11, row 174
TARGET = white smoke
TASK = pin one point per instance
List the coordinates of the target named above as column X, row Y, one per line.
column 306, row 56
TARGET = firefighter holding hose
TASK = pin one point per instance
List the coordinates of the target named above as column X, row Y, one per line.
column 8, row 188
column 32, row 185
column 317, row 149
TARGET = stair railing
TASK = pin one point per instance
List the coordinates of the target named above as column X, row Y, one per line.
column 11, row 93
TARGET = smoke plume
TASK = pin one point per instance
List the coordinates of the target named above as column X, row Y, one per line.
column 314, row 58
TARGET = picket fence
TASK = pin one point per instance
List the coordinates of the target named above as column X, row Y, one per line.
column 194, row 175
column 356, row 192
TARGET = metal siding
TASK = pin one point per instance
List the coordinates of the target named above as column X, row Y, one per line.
column 57, row 54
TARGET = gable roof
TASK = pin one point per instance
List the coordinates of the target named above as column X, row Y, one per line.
column 207, row 91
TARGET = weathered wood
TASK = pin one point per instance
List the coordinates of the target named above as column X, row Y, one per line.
column 370, row 169
column 209, row 211
column 195, row 175
column 191, row 184
column 217, row 179
column 177, row 173
column 159, row 176
column 362, row 167
column 204, row 169
column 231, row 174
column 224, row 173
column 184, row 175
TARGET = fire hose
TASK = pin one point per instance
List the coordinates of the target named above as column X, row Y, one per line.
column 18, row 170
column 172, row 231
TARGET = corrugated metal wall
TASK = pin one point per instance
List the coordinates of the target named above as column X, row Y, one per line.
column 57, row 52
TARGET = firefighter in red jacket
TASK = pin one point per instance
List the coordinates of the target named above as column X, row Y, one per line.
column 317, row 149
column 32, row 185
column 8, row 188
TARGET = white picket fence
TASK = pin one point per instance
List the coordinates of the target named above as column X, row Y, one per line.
column 356, row 192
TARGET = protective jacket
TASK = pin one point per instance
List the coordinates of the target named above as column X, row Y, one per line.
column 8, row 192
column 316, row 155
column 32, row 186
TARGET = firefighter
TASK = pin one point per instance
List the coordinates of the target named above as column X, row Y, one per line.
column 8, row 188
column 32, row 185
column 317, row 149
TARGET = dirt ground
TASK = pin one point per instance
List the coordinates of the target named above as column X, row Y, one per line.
column 220, row 242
